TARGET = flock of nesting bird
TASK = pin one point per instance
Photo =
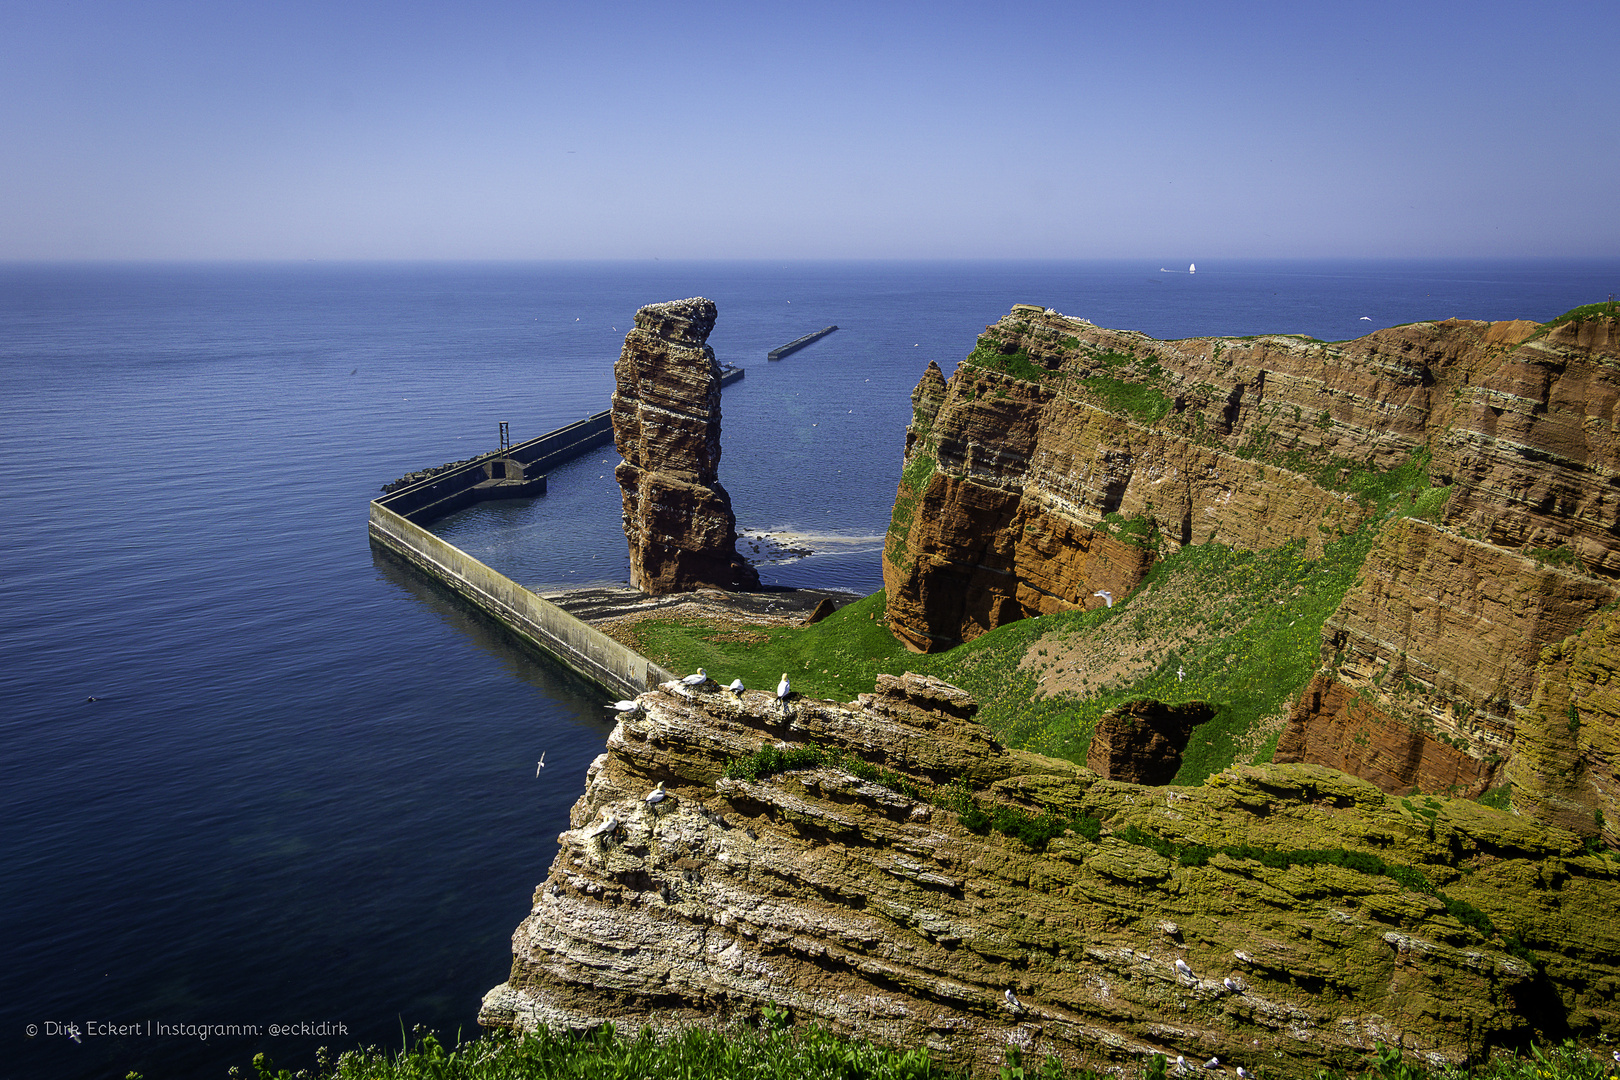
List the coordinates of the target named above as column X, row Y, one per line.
column 695, row 680
column 701, row 678
column 657, row 795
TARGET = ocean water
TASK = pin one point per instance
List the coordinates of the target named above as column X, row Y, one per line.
column 306, row 793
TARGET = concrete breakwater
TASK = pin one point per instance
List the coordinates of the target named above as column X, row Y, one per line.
column 798, row 343
column 520, row 472
column 397, row 522
column 537, row 622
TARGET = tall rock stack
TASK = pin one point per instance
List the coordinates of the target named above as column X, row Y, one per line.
column 666, row 423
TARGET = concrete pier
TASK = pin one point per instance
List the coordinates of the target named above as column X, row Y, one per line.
column 798, row 343
column 618, row 669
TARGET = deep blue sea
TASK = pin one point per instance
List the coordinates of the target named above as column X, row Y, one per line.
column 307, row 791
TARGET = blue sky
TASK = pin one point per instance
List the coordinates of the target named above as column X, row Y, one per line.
column 1157, row 130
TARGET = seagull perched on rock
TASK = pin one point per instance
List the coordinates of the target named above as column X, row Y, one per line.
column 1183, row 969
column 1011, row 999
column 625, row 706
column 1181, row 1063
column 736, row 687
column 1230, row 985
column 698, row 679
column 1241, row 1074
column 782, row 690
column 657, row 795
column 1213, row 1063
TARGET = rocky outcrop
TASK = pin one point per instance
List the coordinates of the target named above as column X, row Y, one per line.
column 1336, row 724
column 666, row 424
column 848, row 891
column 1141, row 742
column 1062, row 459
column 1566, row 765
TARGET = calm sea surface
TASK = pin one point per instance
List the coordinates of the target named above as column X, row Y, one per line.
column 307, row 791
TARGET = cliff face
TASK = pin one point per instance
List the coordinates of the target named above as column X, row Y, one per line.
column 869, row 906
column 1062, row 459
column 666, row 424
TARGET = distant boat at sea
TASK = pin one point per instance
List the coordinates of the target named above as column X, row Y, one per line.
column 1192, row 268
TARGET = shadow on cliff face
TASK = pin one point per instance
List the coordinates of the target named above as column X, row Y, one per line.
column 1141, row 742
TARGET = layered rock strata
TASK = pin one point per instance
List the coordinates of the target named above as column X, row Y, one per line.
column 1061, row 459
column 861, row 905
column 666, row 424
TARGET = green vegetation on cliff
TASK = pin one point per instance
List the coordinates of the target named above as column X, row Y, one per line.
column 1239, row 630
column 775, row 1051
column 1585, row 313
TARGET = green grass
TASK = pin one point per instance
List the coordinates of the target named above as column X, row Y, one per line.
column 1586, row 312
column 1140, row 400
column 1247, row 666
column 913, row 482
column 1017, row 364
column 775, row 1051
column 1035, row 831
column 1257, row 658
column 1376, row 489
column 771, row 761
column 837, row 658
column 1430, row 505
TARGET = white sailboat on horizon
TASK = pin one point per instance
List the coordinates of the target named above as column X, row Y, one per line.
column 1192, row 268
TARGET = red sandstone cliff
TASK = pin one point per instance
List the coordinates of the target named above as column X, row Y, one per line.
column 666, row 423
column 1061, row 457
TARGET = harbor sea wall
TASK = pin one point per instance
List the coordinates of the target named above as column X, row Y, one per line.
column 798, row 343
column 398, row 520
column 518, row 473
column 542, row 624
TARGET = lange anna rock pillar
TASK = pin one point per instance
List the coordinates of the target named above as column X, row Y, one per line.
column 666, row 424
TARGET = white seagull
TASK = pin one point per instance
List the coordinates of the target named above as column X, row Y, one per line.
column 1230, row 985
column 1181, row 1063
column 782, row 690
column 736, row 687
column 1213, row 1063
column 624, row 706
column 541, row 764
column 1011, row 999
column 657, row 795
column 1183, row 969
column 1241, row 1074
column 698, row 679
column 1108, row 597
column 1365, row 318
